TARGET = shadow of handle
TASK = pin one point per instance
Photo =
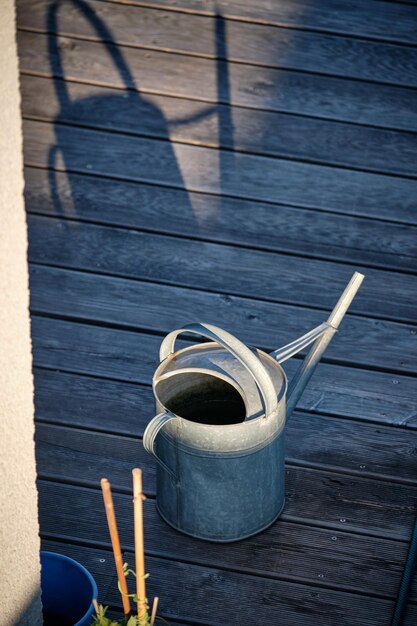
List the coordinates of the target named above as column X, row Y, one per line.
column 106, row 37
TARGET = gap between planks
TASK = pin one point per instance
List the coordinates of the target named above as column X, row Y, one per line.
column 82, row 553
column 290, row 461
column 208, row 38
column 232, row 150
column 176, row 550
column 90, row 384
column 387, row 106
column 194, row 8
column 245, row 177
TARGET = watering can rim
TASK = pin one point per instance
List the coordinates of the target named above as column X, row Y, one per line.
column 213, row 345
column 242, row 353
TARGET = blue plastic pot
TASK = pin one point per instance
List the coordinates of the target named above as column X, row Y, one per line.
column 68, row 591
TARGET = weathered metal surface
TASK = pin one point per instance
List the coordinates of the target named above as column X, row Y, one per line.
column 221, row 478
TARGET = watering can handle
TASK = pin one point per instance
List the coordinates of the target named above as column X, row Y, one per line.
column 241, row 352
column 235, row 347
column 105, row 36
column 149, row 437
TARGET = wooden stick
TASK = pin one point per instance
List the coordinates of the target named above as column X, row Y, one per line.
column 115, row 542
column 139, row 541
column 154, row 609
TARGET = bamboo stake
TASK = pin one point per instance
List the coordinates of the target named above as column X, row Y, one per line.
column 115, row 542
column 138, row 498
column 154, row 609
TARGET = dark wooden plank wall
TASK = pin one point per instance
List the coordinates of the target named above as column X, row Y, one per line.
column 232, row 163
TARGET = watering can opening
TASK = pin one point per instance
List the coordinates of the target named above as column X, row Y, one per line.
column 203, row 398
column 207, row 385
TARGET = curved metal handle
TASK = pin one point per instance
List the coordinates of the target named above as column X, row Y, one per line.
column 150, row 434
column 241, row 352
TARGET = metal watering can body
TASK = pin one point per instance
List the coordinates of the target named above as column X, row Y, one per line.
column 221, row 481
column 218, row 437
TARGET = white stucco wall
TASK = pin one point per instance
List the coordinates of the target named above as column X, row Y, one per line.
column 19, row 542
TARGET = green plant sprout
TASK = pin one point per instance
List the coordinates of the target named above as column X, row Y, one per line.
column 100, row 618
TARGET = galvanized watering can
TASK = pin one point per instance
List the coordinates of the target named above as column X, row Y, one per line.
column 218, row 437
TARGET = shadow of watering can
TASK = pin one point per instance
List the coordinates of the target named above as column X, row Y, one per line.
column 111, row 109
column 219, row 435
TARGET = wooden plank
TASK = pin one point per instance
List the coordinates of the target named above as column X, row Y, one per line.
column 285, row 551
column 211, row 171
column 142, row 305
column 218, row 37
column 127, row 356
column 190, row 591
column 226, row 82
column 327, row 443
column 217, row 268
column 319, row 441
column 313, row 441
column 271, row 227
column 100, row 564
column 387, row 22
column 263, row 132
column 124, row 408
column 80, row 457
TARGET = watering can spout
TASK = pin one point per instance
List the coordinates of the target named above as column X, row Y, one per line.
column 320, row 336
column 287, row 351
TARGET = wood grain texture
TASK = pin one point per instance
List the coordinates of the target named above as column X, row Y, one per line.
column 237, row 41
column 319, row 498
column 160, row 308
column 391, row 21
column 189, row 121
column 218, row 268
column 273, row 227
column 225, row 82
column 201, row 169
column 322, row 442
column 125, row 408
column 285, row 551
column 187, row 591
column 238, row 168
column 133, row 357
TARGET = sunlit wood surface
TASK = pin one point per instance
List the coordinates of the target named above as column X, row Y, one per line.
column 230, row 162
